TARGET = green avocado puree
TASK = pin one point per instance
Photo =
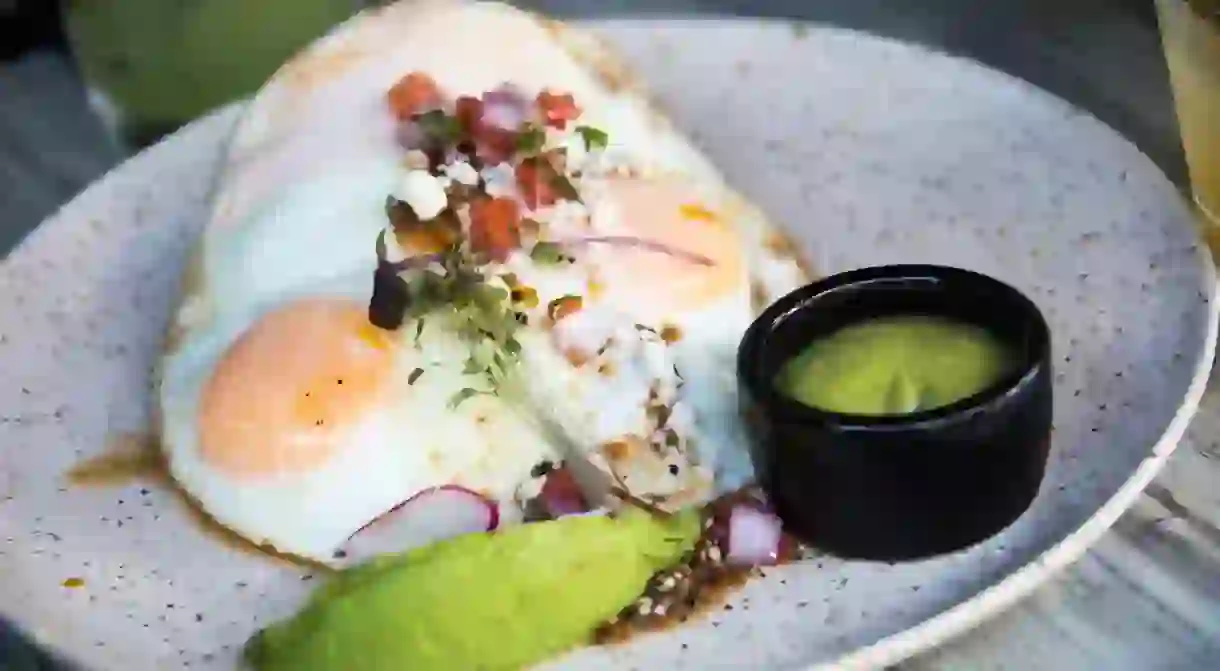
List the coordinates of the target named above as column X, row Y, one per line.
column 894, row 366
column 499, row 600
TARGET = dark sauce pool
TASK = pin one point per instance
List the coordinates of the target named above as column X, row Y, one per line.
column 702, row 581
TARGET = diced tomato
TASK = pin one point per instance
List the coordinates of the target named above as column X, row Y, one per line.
column 536, row 190
column 414, row 93
column 561, row 495
column 469, row 111
column 563, row 306
column 495, row 227
column 558, row 108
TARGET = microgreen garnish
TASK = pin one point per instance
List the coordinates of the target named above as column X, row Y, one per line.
column 481, row 313
column 563, row 187
column 531, row 140
column 463, row 395
column 439, row 127
column 595, row 138
column 445, row 273
column 548, row 253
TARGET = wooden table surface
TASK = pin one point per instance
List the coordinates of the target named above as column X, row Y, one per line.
column 1147, row 597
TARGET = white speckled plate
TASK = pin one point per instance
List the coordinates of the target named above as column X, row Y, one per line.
column 871, row 152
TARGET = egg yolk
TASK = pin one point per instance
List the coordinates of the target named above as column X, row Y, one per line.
column 668, row 213
column 283, row 393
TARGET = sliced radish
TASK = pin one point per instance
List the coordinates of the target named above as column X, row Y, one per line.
column 428, row 517
column 639, row 243
column 755, row 537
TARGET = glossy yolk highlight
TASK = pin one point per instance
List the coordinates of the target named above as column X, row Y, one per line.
column 669, row 212
column 284, row 392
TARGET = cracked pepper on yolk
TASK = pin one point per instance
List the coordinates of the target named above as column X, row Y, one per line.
column 285, row 391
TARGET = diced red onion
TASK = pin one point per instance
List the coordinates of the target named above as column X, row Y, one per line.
column 755, row 537
column 430, row 516
column 409, row 135
column 561, row 494
column 640, row 243
column 506, row 108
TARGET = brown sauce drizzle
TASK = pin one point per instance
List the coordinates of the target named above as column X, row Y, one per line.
column 128, row 457
column 697, row 584
column 135, row 457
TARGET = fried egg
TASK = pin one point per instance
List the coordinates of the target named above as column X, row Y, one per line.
column 255, row 422
column 297, row 425
column 649, row 321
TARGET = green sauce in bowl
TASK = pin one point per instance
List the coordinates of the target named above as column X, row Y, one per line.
column 895, row 366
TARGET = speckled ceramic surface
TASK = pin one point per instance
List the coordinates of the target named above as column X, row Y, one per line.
column 870, row 152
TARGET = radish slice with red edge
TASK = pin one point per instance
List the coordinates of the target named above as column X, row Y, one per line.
column 755, row 537
column 430, row 516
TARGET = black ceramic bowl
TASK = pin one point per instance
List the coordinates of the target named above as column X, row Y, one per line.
column 906, row 486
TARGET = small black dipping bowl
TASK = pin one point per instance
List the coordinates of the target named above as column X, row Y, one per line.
column 910, row 486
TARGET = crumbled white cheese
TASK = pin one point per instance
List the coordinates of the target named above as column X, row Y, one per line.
column 416, row 160
column 626, row 366
column 393, row 251
column 501, row 180
column 462, row 173
column 572, row 143
column 424, row 193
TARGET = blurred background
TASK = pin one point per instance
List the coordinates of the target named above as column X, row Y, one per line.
column 163, row 62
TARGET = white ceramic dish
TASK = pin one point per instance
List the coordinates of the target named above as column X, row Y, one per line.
column 869, row 151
